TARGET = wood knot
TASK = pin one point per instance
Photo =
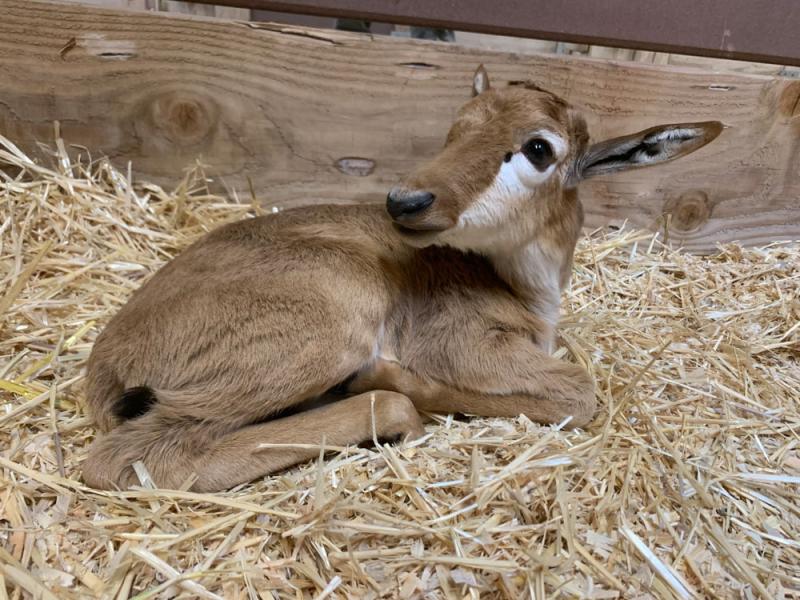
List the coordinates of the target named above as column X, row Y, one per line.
column 185, row 119
column 689, row 211
column 355, row 166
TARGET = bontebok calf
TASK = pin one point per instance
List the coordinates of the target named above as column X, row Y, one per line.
column 444, row 300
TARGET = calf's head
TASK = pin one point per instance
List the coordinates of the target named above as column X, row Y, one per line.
column 511, row 161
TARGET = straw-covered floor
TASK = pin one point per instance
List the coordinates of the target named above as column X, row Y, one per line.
column 685, row 485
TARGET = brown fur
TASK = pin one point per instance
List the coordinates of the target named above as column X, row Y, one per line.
column 261, row 316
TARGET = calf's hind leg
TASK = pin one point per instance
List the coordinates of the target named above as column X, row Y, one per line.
column 237, row 458
column 223, row 460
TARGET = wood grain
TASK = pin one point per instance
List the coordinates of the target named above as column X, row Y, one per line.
column 186, row 8
column 326, row 116
column 207, row 10
column 127, row 4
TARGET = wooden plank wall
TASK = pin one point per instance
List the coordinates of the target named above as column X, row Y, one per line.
column 731, row 29
column 717, row 65
column 290, row 108
column 463, row 38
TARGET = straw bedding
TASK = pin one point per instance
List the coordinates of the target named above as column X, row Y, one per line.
column 685, row 485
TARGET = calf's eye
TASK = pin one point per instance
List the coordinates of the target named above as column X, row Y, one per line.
column 539, row 152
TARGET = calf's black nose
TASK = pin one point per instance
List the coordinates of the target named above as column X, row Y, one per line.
column 401, row 204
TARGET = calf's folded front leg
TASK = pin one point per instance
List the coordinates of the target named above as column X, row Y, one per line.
column 524, row 381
